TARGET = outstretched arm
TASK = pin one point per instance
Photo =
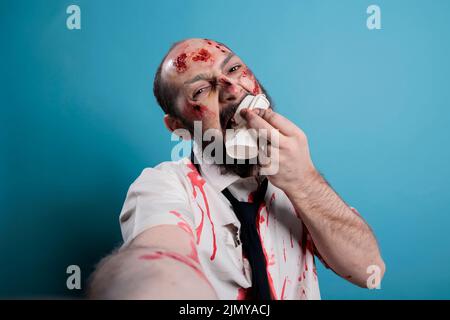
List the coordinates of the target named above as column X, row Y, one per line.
column 160, row 263
column 342, row 237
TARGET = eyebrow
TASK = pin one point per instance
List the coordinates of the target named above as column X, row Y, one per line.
column 204, row 76
column 201, row 76
column 225, row 61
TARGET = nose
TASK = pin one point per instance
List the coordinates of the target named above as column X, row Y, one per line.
column 229, row 90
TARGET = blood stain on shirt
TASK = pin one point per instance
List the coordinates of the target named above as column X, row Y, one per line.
column 290, row 237
column 269, row 276
column 283, row 289
column 271, row 261
column 197, row 183
column 242, row 294
column 260, row 209
column 304, row 293
column 268, row 208
column 261, row 219
column 183, row 224
column 193, row 254
column 251, row 197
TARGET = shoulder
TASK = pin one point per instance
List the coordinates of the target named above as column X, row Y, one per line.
column 166, row 174
column 153, row 198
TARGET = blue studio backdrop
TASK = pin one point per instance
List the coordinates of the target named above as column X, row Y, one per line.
column 79, row 122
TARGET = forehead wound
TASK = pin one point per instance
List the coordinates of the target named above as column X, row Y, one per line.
column 186, row 55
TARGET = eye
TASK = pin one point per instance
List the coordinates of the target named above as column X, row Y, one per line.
column 234, row 68
column 199, row 91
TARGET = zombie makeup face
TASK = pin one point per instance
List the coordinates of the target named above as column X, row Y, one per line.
column 212, row 81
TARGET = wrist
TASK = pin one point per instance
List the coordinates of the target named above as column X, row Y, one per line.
column 301, row 188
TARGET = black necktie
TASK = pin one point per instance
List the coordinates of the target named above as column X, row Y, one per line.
column 246, row 212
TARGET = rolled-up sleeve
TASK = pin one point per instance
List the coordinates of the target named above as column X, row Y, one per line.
column 157, row 197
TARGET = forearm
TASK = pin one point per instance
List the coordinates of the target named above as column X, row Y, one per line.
column 149, row 273
column 341, row 236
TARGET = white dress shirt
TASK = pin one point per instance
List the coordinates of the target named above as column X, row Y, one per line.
column 197, row 199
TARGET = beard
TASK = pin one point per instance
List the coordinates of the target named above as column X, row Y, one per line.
column 244, row 167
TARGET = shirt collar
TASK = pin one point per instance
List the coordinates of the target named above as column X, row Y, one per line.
column 239, row 187
column 211, row 172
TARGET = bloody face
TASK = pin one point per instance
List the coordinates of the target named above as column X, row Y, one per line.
column 211, row 81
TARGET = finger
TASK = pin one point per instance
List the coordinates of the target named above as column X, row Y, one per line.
column 271, row 167
column 265, row 152
column 277, row 121
column 263, row 129
column 269, row 138
column 254, row 121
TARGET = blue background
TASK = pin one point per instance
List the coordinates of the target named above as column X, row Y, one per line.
column 79, row 122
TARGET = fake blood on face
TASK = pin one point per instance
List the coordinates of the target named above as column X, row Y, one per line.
column 202, row 55
column 256, row 88
column 196, row 111
column 180, row 63
column 247, row 73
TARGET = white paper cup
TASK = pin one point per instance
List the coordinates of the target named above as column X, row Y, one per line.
column 241, row 143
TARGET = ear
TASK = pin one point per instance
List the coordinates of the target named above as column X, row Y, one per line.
column 174, row 125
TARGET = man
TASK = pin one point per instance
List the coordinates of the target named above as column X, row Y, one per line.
column 184, row 234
